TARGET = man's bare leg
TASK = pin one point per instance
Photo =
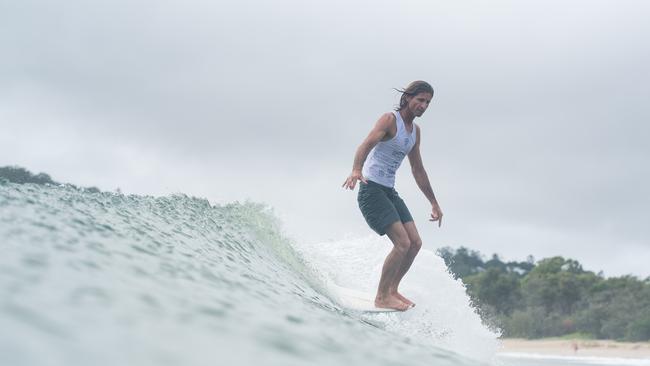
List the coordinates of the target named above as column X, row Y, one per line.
column 416, row 244
column 401, row 243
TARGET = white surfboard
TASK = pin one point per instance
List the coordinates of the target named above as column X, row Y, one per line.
column 356, row 300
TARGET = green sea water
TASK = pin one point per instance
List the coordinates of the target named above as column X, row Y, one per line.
column 100, row 278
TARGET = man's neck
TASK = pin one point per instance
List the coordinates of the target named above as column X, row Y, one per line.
column 407, row 116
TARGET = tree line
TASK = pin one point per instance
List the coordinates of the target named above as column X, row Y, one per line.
column 20, row 175
column 552, row 297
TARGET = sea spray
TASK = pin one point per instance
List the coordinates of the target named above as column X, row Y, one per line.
column 443, row 315
column 103, row 278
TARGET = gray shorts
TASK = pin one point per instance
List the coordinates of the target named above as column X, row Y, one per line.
column 381, row 206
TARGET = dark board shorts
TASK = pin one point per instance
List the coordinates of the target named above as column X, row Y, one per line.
column 381, row 206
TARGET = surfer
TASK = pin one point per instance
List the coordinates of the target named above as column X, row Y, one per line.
column 394, row 136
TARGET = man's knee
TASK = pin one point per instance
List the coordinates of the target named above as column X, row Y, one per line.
column 403, row 245
column 416, row 244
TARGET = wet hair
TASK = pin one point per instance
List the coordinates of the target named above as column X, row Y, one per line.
column 413, row 89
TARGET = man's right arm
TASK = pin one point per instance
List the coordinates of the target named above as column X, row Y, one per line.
column 379, row 132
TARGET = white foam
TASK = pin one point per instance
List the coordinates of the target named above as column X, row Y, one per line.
column 442, row 317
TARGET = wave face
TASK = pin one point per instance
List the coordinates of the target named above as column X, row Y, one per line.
column 106, row 279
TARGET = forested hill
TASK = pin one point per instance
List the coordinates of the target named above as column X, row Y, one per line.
column 20, row 175
column 552, row 297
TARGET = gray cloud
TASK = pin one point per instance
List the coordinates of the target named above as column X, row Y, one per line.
column 535, row 141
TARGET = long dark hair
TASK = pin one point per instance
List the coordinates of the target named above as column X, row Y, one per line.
column 413, row 89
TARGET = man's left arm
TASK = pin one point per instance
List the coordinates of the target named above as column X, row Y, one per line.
column 422, row 179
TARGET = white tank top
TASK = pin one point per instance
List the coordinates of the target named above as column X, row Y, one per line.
column 387, row 156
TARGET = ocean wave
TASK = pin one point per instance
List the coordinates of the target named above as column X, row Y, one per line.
column 107, row 278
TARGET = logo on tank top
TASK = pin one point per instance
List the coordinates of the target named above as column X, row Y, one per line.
column 406, row 141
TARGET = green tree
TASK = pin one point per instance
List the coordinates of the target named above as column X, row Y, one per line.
column 462, row 262
column 557, row 285
column 497, row 288
column 638, row 330
column 552, row 297
column 16, row 174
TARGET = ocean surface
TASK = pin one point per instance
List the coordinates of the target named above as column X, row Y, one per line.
column 90, row 278
column 527, row 359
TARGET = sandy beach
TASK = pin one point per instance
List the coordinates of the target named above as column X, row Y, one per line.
column 577, row 347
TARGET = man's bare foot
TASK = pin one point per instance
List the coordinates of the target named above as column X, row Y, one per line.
column 391, row 302
column 405, row 300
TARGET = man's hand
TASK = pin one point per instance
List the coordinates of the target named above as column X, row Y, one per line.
column 436, row 214
column 351, row 182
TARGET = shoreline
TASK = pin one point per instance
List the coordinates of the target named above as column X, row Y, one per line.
column 575, row 348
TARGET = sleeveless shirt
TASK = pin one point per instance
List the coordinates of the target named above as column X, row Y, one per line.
column 384, row 159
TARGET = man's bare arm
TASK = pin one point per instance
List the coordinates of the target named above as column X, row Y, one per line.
column 382, row 129
column 422, row 179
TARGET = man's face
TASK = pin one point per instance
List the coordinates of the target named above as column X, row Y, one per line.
column 419, row 103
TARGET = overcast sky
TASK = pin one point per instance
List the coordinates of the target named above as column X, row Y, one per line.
column 536, row 141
